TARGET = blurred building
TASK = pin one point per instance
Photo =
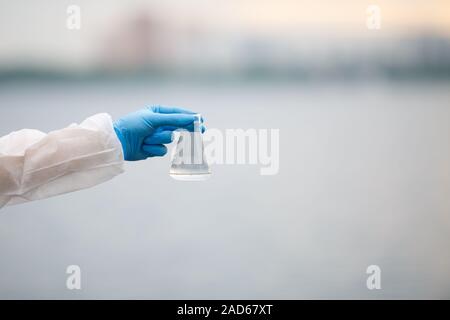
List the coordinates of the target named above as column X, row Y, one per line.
column 229, row 40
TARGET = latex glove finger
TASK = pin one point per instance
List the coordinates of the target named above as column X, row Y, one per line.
column 159, row 137
column 154, row 150
column 188, row 128
column 178, row 120
column 167, row 110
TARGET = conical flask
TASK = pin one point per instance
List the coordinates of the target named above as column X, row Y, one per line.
column 188, row 159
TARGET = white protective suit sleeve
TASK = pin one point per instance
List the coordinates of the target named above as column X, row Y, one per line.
column 35, row 165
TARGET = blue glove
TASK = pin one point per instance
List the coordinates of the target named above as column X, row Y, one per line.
column 143, row 133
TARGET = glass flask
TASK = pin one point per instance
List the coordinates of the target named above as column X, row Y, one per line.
column 188, row 161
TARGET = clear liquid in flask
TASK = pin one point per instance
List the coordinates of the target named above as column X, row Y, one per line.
column 188, row 161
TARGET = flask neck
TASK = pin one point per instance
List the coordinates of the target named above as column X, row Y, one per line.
column 197, row 122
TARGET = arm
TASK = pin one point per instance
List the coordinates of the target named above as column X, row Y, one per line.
column 35, row 165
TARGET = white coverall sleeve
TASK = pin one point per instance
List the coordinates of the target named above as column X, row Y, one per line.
column 35, row 165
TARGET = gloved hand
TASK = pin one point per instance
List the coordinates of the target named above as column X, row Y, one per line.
column 143, row 133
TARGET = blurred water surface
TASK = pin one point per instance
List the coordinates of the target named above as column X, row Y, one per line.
column 364, row 179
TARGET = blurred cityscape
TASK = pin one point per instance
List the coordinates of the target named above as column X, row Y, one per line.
column 147, row 42
column 143, row 44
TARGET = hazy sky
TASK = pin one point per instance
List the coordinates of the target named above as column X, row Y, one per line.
column 36, row 30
